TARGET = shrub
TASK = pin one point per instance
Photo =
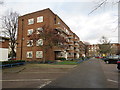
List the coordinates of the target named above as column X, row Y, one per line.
column 61, row 58
column 12, row 61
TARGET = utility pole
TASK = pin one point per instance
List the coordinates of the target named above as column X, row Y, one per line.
column 119, row 22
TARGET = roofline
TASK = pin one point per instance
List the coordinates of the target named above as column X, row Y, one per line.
column 52, row 13
column 35, row 12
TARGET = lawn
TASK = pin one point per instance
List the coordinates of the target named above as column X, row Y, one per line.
column 50, row 66
column 74, row 62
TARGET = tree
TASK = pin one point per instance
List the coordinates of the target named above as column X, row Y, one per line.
column 86, row 48
column 10, row 26
column 101, row 3
column 104, row 46
column 1, row 2
column 51, row 38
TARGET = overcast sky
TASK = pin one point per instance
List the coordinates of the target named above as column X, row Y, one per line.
column 90, row 28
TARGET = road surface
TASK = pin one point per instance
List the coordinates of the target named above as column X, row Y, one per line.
column 89, row 74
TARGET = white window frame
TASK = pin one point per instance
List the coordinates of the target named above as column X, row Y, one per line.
column 27, row 54
column 39, row 41
column 39, row 30
column 39, row 54
column 30, row 21
column 40, row 19
column 30, row 31
column 58, row 22
column 28, row 44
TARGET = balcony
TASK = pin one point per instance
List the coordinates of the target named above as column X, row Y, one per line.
column 76, row 40
column 70, row 51
column 76, row 45
column 70, row 43
column 77, row 50
column 70, row 36
column 55, row 48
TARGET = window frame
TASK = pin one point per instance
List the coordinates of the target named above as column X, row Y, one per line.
column 28, row 44
column 30, row 20
column 29, row 30
column 40, row 29
column 40, row 19
column 39, row 44
column 40, row 56
column 28, row 55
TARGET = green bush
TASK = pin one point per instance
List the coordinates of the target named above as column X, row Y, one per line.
column 11, row 62
column 61, row 58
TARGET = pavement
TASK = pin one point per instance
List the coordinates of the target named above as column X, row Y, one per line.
column 89, row 74
column 33, row 75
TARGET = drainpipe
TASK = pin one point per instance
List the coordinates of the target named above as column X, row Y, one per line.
column 22, row 38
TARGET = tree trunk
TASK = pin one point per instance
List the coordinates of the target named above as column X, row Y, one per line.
column 44, row 54
column 13, row 53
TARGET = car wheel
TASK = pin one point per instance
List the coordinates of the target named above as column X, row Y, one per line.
column 107, row 62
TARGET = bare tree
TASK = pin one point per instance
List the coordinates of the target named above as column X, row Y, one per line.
column 86, row 48
column 51, row 39
column 1, row 2
column 100, row 4
column 10, row 26
column 104, row 46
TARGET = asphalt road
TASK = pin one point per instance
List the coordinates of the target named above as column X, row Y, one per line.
column 92, row 73
column 89, row 74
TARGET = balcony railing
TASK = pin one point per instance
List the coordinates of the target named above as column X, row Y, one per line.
column 77, row 50
column 70, row 36
column 70, row 43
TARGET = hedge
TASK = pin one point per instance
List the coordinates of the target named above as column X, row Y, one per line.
column 11, row 62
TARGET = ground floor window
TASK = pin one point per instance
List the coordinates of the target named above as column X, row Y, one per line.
column 39, row 54
column 29, row 54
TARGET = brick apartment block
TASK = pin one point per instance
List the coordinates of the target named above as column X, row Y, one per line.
column 35, row 21
column 93, row 50
column 4, row 42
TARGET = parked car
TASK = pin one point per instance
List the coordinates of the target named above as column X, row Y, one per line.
column 118, row 64
column 112, row 59
column 98, row 57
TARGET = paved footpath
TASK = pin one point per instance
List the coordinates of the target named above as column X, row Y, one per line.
column 89, row 74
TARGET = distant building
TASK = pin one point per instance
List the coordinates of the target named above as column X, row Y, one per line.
column 93, row 50
column 35, row 21
column 82, row 48
column 4, row 47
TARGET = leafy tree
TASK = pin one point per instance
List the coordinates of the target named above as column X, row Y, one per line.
column 51, row 38
column 10, row 26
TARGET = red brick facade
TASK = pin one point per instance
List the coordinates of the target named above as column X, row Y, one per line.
column 4, row 42
column 48, row 18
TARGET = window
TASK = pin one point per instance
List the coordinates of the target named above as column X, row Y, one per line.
column 29, row 43
column 30, row 31
column 58, row 23
column 40, row 19
column 30, row 21
column 29, row 54
column 39, row 54
column 39, row 42
column 39, row 30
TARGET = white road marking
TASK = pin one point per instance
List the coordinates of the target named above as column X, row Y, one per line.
column 27, row 80
column 112, row 81
column 44, row 72
column 44, row 84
